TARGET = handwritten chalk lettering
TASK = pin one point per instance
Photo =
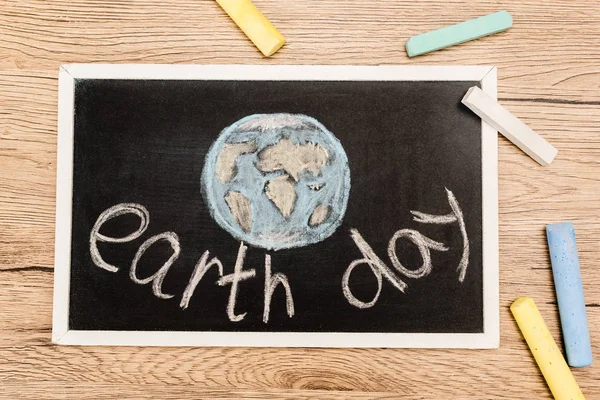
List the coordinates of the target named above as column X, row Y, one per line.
column 271, row 282
column 424, row 245
column 379, row 269
column 237, row 276
column 201, row 268
column 377, row 266
column 159, row 276
column 114, row 212
column 455, row 216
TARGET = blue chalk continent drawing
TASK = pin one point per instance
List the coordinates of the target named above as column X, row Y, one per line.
column 277, row 181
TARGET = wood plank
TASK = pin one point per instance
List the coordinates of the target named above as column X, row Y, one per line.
column 324, row 32
column 253, row 369
column 35, row 391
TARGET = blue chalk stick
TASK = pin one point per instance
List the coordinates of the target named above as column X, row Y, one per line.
column 459, row 33
column 569, row 293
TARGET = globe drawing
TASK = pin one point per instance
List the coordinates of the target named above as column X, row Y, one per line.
column 277, row 181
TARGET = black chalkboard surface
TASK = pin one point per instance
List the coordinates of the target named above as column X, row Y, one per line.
column 264, row 207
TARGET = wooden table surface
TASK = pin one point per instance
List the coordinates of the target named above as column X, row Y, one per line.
column 549, row 75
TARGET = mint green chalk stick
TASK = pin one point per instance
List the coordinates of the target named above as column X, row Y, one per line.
column 459, row 33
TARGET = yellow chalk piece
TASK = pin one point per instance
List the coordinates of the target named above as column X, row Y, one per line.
column 254, row 24
column 545, row 351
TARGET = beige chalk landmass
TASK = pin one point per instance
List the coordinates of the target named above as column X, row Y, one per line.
column 292, row 158
column 226, row 160
column 318, row 215
column 241, row 209
column 283, row 156
column 281, row 191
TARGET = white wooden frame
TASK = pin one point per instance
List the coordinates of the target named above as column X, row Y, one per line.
column 61, row 334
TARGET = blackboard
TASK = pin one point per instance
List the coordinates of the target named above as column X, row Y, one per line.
column 371, row 220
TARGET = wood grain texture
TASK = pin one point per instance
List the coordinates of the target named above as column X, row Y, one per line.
column 549, row 75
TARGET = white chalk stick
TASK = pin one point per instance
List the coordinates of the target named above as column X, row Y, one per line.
column 510, row 126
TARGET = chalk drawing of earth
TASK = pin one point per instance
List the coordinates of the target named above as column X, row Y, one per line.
column 277, row 181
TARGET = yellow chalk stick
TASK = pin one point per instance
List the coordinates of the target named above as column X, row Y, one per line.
column 254, row 24
column 545, row 351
